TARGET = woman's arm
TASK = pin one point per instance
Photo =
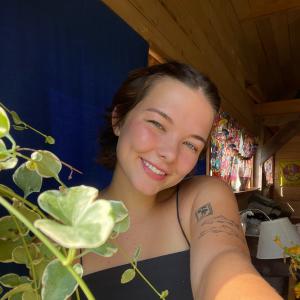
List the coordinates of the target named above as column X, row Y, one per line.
column 221, row 268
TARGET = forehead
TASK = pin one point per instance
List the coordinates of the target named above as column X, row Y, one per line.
column 170, row 92
column 179, row 101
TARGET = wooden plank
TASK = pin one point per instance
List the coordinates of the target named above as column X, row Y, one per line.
column 156, row 25
column 264, row 77
column 265, row 8
column 294, row 25
column 286, row 133
column 267, row 40
column 223, row 19
column 282, row 40
column 278, row 121
column 278, row 107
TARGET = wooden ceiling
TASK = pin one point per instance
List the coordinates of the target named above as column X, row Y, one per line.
column 249, row 48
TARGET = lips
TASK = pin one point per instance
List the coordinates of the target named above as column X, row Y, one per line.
column 153, row 170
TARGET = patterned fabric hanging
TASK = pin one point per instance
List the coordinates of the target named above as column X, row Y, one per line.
column 232, row 152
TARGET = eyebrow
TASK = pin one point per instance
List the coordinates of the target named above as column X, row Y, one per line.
column 169, row 119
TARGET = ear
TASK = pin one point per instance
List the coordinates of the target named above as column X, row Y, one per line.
column 114, row 122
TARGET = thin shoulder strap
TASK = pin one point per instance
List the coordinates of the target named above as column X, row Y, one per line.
column 178, row 216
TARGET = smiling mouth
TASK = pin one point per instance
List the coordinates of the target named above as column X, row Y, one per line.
column 153, row 168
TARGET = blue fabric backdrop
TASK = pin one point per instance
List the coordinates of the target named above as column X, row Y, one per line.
column 60, row 63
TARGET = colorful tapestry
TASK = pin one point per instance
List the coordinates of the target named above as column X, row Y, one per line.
column 289, row 172
column 268, row 171
column 232, row 151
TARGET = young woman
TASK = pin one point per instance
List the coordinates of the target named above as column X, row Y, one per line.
column 188, row 228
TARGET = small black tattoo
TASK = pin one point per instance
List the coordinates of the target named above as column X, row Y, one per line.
column 221, row 225
column 204, row 211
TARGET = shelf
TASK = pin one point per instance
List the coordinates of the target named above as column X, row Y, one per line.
column 247, row 190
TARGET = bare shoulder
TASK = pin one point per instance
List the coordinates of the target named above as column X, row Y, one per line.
column 200, row 189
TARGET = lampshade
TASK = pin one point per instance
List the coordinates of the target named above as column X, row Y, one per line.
column 284, row 229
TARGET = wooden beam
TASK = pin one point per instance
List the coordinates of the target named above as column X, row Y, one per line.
column 280, row 138
column 264, row 9
column 279, row 120
column 166, row 34
column 278, row 107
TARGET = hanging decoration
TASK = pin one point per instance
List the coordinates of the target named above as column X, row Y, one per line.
column 232, row 152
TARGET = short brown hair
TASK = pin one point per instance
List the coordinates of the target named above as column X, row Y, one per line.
column 135, row 88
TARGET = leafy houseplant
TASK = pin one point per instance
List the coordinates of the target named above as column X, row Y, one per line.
column 46, row 238
column 294, row 263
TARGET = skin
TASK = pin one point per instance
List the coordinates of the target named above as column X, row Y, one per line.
column 168, row 130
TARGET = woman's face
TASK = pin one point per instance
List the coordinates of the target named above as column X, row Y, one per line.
column 162, row 136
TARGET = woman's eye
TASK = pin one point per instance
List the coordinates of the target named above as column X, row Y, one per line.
column 156, row 124
column 191, row 146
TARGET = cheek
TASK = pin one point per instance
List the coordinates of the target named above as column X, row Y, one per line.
column 139, row 135
column 186, row 162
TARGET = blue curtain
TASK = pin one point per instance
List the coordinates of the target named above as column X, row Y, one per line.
column 60, row 63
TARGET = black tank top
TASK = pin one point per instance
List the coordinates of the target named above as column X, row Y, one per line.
column 171, row 272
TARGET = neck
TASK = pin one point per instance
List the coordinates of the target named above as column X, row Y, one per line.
column 138, row 204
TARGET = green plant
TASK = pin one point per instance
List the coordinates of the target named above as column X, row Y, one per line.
column 46, row 238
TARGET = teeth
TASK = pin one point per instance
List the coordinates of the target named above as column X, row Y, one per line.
column 153, row 169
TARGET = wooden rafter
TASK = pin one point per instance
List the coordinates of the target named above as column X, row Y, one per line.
column 280, row 138
column 265, row 9
column 278, row 108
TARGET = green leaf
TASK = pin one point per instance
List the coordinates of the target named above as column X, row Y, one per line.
column 16, row 118
column 7, row 247
column 28, row 181
column 19, row 254
column 106, row 250
column 1, row 290
column 30, row 295
column 39, row 270
column 12, row 280
column 122, row 226
column 4, row 155
column 18, row 289
column 30, row 215
column 49, row 140
column 119, row 210
column 136, row 254
column 8, row 228
column 4, row 123
column 164, row 294
column 47, row 164
column 57, row 282
column 128, row 275
column 85, row 223
column 8, row 164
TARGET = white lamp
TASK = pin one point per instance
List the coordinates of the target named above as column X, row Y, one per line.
column 284, row 229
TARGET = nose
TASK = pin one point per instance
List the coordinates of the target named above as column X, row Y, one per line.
column 168, row 150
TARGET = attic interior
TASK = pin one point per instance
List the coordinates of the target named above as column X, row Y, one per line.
column 250, row 49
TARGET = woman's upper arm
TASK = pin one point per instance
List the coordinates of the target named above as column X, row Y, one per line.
column 214, row 225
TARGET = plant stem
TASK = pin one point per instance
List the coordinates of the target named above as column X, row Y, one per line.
column 70, row 257
column 64, row 163
column 49, row 245
column 28, row 254
column 4, row 191
column 139, row 272
column 12, row 141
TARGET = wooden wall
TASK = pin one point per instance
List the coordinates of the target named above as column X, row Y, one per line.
column 290, row 151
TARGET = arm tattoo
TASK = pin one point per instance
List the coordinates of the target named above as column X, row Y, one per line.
column 203, row 211
column 216, row 225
